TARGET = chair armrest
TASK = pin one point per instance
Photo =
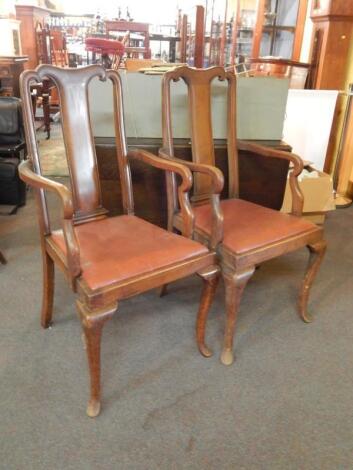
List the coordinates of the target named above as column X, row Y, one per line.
column 297, row 162
column 40, row 182
column 183, row 189
column 214, row 173
column 217, row 180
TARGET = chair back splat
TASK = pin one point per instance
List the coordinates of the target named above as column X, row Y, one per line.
column 78, row 137
column 199, row 83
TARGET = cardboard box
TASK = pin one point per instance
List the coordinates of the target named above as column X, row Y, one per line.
column 317, row 188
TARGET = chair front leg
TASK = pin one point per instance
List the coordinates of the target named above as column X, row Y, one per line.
column 317, row 252
column 210, row 278
column 48, row 290
column 92, row 324
column 235, row 283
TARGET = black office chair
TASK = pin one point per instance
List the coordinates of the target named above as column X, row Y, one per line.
column 12, row 143
column 12, row 140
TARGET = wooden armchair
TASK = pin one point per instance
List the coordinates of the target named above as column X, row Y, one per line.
column 59, row 54
column 105, row 259
column 251, row 233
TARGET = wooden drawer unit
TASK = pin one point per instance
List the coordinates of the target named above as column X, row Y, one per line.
column 10, row 71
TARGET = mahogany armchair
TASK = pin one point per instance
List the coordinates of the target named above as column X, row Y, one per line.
column 105, row 259
column 251, row 233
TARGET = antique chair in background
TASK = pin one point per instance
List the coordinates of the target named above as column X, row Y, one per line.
column 252, row 233
column 59, row 54
column 105, row 259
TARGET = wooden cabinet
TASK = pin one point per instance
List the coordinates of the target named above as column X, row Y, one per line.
column 279, row 28
column 10, row 70
column 33, row 21
column 261, row 28
column 321, row 8
column 332, row 35
column 246, row 15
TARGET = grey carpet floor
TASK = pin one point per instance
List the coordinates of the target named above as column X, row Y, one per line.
column 286, row 403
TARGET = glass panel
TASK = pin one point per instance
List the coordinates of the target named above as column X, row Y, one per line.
column 287, row 12
column 283, row 44
column 244, row 42
column 247, row 20
column 270, row 12
column 265, row 47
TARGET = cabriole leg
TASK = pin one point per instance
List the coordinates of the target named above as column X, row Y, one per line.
column 235, row 283
column 210, row 278
column 317, row 252
column 92, row 324
column 48, row 290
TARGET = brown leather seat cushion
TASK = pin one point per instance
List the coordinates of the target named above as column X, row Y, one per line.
column 248, row 226
column 118, row 248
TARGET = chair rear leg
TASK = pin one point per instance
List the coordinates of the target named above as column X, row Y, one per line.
column 162, row 291
column 48, row 290
column 92, row 324
column 210, row 278
column 317, row 252
column 2, row 258
column 235, row 283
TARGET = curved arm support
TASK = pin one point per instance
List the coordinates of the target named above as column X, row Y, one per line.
column 183, row 189
column 296, row 161
column 40, row 182
column 214, row 173
column 217, row 180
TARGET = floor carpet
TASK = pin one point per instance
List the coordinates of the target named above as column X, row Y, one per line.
column 52, row 152
column 286, row 403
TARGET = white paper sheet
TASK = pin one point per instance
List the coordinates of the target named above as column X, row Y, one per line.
column 308, row 122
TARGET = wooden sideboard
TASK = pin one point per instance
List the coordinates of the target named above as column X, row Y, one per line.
column 262, row 180
column 10, row 71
